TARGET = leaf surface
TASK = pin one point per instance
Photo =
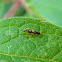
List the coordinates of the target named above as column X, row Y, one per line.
column 18, row 46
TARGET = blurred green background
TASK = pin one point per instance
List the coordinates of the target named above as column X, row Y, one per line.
column 49, row 10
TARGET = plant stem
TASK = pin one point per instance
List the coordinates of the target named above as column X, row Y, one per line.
column 12, row 11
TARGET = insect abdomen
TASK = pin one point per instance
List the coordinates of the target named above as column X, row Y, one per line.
column 37, row 32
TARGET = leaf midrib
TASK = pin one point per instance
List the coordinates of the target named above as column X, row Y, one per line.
column 27, row 57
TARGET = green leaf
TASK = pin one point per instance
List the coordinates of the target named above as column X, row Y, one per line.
column 51, row 10
column 18, row 46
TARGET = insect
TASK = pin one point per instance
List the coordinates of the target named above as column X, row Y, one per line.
column 31, row 31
